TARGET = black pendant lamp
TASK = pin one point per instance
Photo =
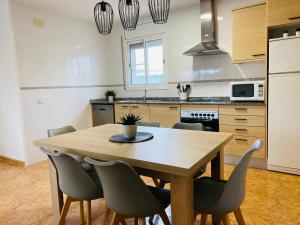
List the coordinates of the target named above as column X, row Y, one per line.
column 159, row 10
column 104, row 17
column 129, row 13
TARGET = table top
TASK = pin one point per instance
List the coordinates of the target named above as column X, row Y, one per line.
column 172, row 151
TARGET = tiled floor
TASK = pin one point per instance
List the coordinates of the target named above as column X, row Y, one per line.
column 272, row 198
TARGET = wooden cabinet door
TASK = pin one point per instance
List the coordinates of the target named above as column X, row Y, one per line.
column 167, row 115
column 282, row 12
column 120, row 110
column 141, row 110
column 249, row 34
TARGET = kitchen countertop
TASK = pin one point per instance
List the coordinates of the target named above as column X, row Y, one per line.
column 174, row 100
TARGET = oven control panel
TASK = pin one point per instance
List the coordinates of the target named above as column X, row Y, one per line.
column 199, row 114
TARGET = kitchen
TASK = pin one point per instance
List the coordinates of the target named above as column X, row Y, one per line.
column 236, row 88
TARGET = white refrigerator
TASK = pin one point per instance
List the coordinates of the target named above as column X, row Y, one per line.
column 284, row 105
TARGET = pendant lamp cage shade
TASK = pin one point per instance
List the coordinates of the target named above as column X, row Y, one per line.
column 129, row 11
column 104, row 17
column 159, row 10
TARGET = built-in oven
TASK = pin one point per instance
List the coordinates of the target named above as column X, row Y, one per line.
column 247, row 91
column 209, row 118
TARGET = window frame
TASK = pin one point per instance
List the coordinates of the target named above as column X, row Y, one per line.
column 127, row 61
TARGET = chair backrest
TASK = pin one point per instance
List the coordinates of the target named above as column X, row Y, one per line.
column 234, row 191
column 149, row 124
column 73, row 180
column 189, row 126
column 124, row 191
column 59, row 131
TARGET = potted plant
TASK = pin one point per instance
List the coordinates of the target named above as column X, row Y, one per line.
column 129, row 122
column 110, row 95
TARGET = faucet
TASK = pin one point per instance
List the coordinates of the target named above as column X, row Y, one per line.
column 145, row 95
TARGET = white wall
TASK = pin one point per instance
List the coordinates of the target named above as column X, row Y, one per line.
column 64, row 53
column 11, row 138
column 184, row 32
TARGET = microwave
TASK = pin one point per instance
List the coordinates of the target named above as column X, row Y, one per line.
column 247, row 91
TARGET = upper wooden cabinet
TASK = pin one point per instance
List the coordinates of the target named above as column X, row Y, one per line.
column 281, row 12
column 249, row 33
column 166, row 115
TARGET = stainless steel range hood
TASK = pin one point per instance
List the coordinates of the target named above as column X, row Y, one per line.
column 208, row 44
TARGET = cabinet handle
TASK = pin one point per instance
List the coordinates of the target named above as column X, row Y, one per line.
column 241, row 109
column 124, row 106
column 241, row 129
column 294, row 18
column 135, row 106
column 240, row 139
column 257, row 55
column 240, row 119
column 173, row 107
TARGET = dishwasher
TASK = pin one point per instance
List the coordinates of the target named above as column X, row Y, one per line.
column 103, row 114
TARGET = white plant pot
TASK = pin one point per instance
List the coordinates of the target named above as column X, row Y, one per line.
column 183, row 96
column 129, row 131
column 110, row 98
column 298, row 33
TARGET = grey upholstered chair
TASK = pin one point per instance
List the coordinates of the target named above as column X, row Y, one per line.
column 189, row 126
column 69, row 129
column 149, row 124
column 75, row 183
column 127, row 195
column 218, row 197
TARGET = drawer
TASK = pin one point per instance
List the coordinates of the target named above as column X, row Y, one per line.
column 141, row 110
column 240, row 144
column 166, row 115
column 255, row 121
column 243, row 110
column 121, row 110
column 244, row 130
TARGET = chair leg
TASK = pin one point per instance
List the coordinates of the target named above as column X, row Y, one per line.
column 162, row 184
column 155, row 181
column 65, row 210
column 81, row 213
column 142, row 221
column 150, row 220
column 225, row 219
column 123, row 222
column 165, row 218
column 136, row 221
column 116, row 219
column 88, row 213
column 239, row 216
column 203, row 219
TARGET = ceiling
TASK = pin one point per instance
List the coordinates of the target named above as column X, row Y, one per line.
column 83, row 9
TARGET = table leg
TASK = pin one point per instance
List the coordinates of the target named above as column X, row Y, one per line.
column 217, row 171
column 182, row 200
column 56, row 194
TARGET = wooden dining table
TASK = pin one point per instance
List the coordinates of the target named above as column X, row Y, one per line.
column 172, row 155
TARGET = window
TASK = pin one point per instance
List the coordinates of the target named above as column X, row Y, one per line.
column 146, row 67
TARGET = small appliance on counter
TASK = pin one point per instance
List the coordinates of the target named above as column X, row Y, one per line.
column 247, row 91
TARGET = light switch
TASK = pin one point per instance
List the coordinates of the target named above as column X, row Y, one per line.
column 38, row 23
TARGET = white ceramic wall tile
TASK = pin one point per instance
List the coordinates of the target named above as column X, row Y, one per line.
column 11, row 133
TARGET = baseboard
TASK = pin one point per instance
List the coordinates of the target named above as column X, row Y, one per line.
column 284, row 169
column 254, row 162
column 10, row 161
